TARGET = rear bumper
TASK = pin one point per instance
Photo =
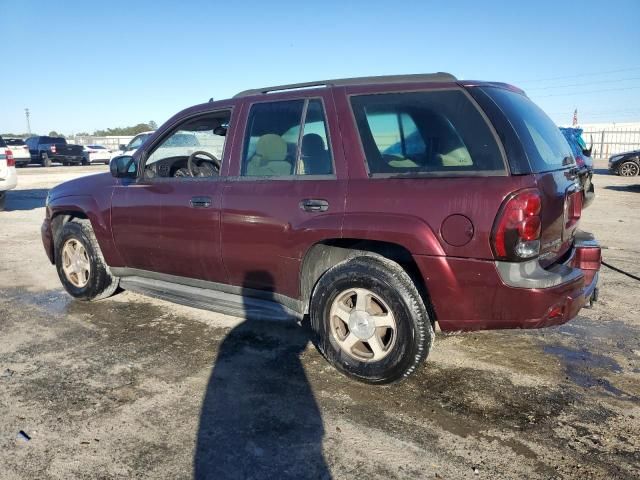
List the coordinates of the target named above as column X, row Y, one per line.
column 469, row 294
column 10, row 181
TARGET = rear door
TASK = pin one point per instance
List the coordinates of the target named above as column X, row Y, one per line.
column 536, row 146
column 287, row 190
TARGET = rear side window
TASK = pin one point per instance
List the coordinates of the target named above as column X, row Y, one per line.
column 543, row 143
column 425, row 132
column 52, row 140
column 287, row 138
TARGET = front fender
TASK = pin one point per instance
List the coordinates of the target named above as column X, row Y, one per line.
column 98, row 213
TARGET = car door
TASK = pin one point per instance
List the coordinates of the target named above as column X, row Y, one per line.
column 286, row 193
column 167, row 221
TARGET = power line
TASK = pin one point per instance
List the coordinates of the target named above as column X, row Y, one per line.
column 579, row 75
column 590, row 91
column 583, row 84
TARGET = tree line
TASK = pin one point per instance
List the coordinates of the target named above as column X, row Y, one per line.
column 116, row 131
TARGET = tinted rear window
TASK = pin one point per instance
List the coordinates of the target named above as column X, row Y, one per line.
column 545, row 146
column 14, row 142
column 425, row 133
column 52, row 140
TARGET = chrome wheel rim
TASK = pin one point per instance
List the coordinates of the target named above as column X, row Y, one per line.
column 628, row 169
column 362, row 324
column 75, row 263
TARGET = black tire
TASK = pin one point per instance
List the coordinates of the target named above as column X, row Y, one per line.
column 386, row 279
column 45, row 160
column 85, row 161
column 3, row 198
column 629, row 168
column 101, row 282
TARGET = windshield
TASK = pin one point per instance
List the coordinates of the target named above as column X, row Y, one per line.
column 543, row 143
column 138, row 141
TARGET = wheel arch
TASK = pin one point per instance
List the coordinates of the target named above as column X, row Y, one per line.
column 324, row 254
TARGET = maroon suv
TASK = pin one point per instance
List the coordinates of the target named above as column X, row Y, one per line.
column 377, row 206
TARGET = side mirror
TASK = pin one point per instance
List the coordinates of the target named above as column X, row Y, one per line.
column 123, row 166
column 122, row 147
column 587, row 151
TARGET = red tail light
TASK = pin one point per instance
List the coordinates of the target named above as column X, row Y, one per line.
column 53, row 149
column 580, row 161
column 516, row 230
column 11, row 162
column 573, row 209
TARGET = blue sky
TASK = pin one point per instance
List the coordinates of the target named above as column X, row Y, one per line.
column 82, row 65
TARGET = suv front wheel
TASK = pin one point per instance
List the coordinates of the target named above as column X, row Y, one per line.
column 80, row 264
column 370, row 320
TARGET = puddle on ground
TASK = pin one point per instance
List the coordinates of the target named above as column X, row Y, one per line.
column 580, row 364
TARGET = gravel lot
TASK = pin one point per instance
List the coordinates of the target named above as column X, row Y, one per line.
column 133, row 387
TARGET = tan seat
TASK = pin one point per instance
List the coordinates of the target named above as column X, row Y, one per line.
column 270, row 158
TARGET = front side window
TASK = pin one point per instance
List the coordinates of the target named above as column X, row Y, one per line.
column 194, row 149
column 287, row 138
column 425, row 132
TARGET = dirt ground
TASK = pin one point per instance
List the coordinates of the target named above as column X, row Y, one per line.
column 133, row 387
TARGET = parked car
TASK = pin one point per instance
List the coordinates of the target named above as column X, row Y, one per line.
column 584, row 162
column 135, row 143
column 473, row 224
column 20, row 151
column 46, row 150
column 625, row 164
column 8, row 177
column 95, row 154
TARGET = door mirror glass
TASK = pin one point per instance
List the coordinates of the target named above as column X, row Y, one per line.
column 123, row 166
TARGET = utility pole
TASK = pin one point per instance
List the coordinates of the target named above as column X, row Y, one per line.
column 26, row 112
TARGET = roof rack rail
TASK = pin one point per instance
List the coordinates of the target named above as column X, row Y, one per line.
column 340, row 82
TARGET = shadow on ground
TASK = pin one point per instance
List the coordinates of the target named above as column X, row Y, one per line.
column 25, row 199
column 259, row 417
column 624, row 188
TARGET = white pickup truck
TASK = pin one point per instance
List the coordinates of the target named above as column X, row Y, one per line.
column 8, row 176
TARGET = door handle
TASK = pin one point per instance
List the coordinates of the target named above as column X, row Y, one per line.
column 200, row 202
column 314, row 205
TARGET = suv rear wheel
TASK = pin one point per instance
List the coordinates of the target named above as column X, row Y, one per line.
column 370, row 320
column 80, row 264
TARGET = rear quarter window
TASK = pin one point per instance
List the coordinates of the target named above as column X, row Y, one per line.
column 432, row 132
column 543, row 143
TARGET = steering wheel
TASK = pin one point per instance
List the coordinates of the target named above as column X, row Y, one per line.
column 192, row 168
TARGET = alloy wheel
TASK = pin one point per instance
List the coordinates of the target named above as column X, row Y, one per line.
column 362, row 324
column 75, row 263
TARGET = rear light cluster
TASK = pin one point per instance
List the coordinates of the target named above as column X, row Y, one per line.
column 580, row 161
column 516, row 231
column 11, row 162
column 572, row 209
column 52, row 148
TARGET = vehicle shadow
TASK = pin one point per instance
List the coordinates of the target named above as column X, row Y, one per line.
column 602, row 171
column 259, row 417
column 25, row 199
column 624, row 188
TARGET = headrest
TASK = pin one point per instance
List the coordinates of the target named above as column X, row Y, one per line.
column 271, row 148
column 312, row 143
